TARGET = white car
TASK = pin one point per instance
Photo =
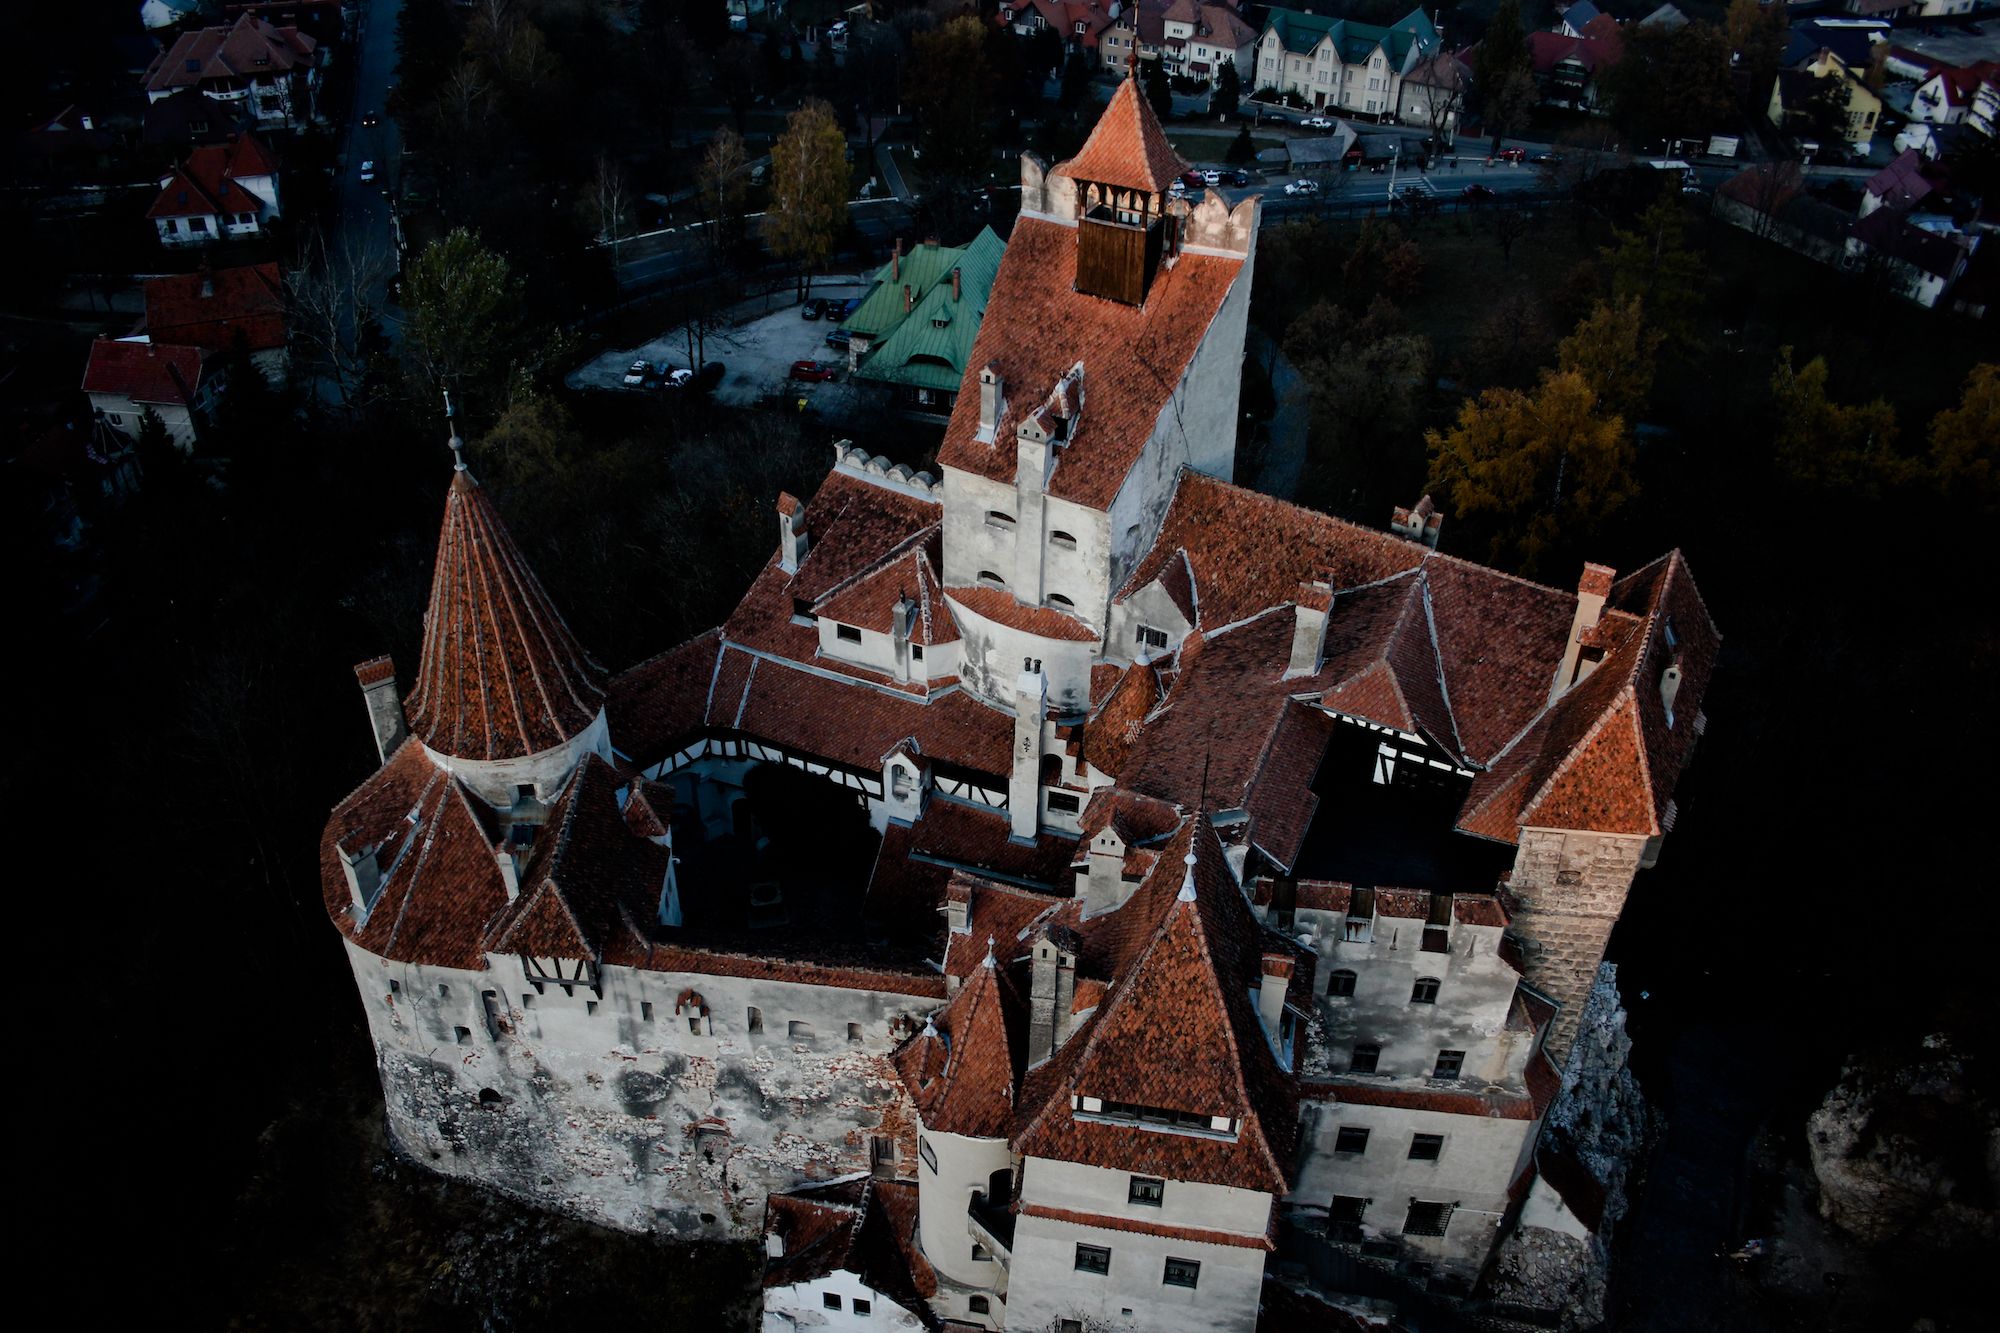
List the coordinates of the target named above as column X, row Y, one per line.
column 1178, row 190
column 636, row 373
column 367, row 171
column 1211, row 177
column 677, row 379
column 1317, row 123
column 1302, row 187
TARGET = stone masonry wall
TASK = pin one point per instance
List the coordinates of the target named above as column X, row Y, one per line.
column 1569, row 889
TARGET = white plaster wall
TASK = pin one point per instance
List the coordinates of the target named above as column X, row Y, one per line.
column 1545, row 1208
column 971, row 544
column 803, row 1305
column 990, row 658
column 964, row 1166
column 1479, row 1160
column 1149, row 606
column 1047, row 1286
column 1475, row 994
column 495, row 779
column 630, row 1120
column 1095, row 1189
column 180, row 428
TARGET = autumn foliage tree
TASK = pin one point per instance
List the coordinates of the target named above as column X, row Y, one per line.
column 808, row 191
column 1824, row 443
column 1614, row 351
column 1541, row 469
column 1965, row 440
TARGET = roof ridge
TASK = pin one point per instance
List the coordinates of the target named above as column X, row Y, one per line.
column 1589, row 737
column 1437, row 666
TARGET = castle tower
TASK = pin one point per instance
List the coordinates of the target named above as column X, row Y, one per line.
column 505, row 697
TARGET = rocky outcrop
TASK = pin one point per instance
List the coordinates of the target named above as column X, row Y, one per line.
column 1906, row 1151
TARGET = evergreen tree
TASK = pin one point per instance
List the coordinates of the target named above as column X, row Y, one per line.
column 1159, row 92
column 1242, row 151
column 1228, row 91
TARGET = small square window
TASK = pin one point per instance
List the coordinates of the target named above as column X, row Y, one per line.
column 1093, row 1259
column 830, row 1300
column 1064, row 803
column 694, row 1024
column 527, row 1000
column 847, row 633
column 1346, row 1210
column 444, row 991
column 1352, row 1138
column 1364, row 1059
column 395, row 987
column 854, row 1034
column 1449, row 1065
column 916, row 652
column 1425, row 991
column 862, row 1305
column 1340, row 984
column 1182, row 1273
column 978, row 1305
column 756, row 1019
column 1427, row 1219
column 464, row 1036
column 929, row 1157
column 1152, row 638
column 1148, row 1191
column 1426, row 1147
column 798, row 1030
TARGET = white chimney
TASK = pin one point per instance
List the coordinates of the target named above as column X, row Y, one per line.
column 510, row 869
column 1271, row 995
column 774, row 1245
column 1024, row 788
column 1312, row 604
column 385, row 704
column 364, row 879
column 1103, row 886
column 791, row 532
column 992, row 404
column 1591, row 590
column 1670, row 686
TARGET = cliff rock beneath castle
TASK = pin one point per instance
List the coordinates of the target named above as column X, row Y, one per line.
column 1906, row 1151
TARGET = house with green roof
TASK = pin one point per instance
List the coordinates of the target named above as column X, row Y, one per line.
column 913, row 332
column 1342, row 66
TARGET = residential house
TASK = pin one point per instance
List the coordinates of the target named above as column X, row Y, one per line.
column 1915, row 262
column 1435, row 90
column 190, row 118
column 914, row 330
column 843, row 1255
column 1569, row 69
column 1577, row 17
column 124, row 379
column 1900, row 186
column 1875, row 9
column 223, row 310
column 1079, row 23
column 71, row 140
column 1853, row 41
column 321, row 20
column 1934, row 9
column 1666, row 16
column 1945, row 96
column 1193, row 39
column 1337, row 65
column 1796, row 97
column 222, row 191
column 1984, row 113
column 274, row 73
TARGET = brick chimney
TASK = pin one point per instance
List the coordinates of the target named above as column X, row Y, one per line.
column 956, row 287
column 908, row 300
column 896, row 262
column 1271, row 995
column 385, row 704
column 1591, row 590
column 207, row 289
column 1310, row 608
column 1024, row 786
column 791, row 532
column 992, row 403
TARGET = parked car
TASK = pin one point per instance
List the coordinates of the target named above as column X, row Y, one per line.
column 677, row 379
column 1475, row 194
column 1211, row 177
column 637, row 374
column 1512, row 154
column 1193, row 180
column 367, row 171
column 1544, row 159
column 1238, row 178
column 1302, row 186
column 812, row 372
column 849, row 308
column 1276, row 118
column 1317, row 123
column 1178, row 190
column 812, row 309
column 839, row 339
column 371, row 120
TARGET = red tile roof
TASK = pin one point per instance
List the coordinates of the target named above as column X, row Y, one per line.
column 1127, row 149
column 868, row 600
column 206, row 183
column 501, row 676
column 1108, row 734
column 143, row 372
column 1447, row 1101
column 1281, row 801
column 960, row 1069
column 249, row 48
column 215, row 308
column 1002, row 608
column 859, row 1225
column 1034, row 294
column 659, row 705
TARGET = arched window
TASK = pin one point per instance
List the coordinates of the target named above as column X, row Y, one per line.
column 1425, row 991
column 1056, row 599
column 1340, row 983
column 996, row 519
column 1062, row 539
column 991, row 580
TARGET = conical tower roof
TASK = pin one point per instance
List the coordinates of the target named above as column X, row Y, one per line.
column 1128, row 149
column 501, row 676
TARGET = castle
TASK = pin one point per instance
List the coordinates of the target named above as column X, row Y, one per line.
column 1056, row 878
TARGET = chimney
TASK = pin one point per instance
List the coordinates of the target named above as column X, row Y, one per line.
column 364, row 879
column 1670, row 686
column 896, row 262
column 1271, row 995
column 1591, row 590
column 1031, row 452
column 385, row 704
column 774, row 1245
column 958, row 908
column 1419, row 524
column 956, row 288
column 1313, row 602
column 510, row 868
column 207, row 289
column 908, row 300
column 1103, row 886
column 992, row 403
column 791, row 532
column 901, row 616
column 1051, row 991
column 1024, row 788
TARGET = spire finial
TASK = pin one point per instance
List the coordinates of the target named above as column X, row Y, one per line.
column 1186, row 894
column 989, row 953
column 456, row 445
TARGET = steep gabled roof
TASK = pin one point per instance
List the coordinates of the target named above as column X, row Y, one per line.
column 212, row 309
column 501, row 675
column 248, row 48
column 960, row 1069
column 1127, row 148
column 592, row 879
column 856, row 1225
column 145, row 372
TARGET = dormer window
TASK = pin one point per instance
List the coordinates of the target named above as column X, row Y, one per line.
column 847, row 633
column 1079, row 27
column 991, row 580
column 1062, row 539
column 1060, row 602
column 997, row 519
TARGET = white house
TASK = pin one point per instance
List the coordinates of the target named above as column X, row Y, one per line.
column 125, row 379
column 274, row 73
column 221, row 191
column 1356, row 68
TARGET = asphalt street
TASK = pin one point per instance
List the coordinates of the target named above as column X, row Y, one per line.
column 365, row 216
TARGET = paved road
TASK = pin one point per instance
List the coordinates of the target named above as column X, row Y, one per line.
column 364, row 217
column 661, row 259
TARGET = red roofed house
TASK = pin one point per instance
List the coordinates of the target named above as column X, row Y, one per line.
column 1127, row 861
column 222, row 190
column 1946, row 95
column 272, row 73
column 1079, row 23
column 125, row 380
column 1193, row 37
column 222, row 310
column 1569, row 69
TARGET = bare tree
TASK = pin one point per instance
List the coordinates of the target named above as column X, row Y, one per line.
column 607, row 198
column 723, row 181
column 334, row 293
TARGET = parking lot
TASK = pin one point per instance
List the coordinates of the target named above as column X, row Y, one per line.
column 758, row 354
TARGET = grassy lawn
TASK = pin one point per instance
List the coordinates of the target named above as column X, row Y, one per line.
column 1210, row 145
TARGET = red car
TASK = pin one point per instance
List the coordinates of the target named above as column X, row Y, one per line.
column 1193, row 180
column 812, row 372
